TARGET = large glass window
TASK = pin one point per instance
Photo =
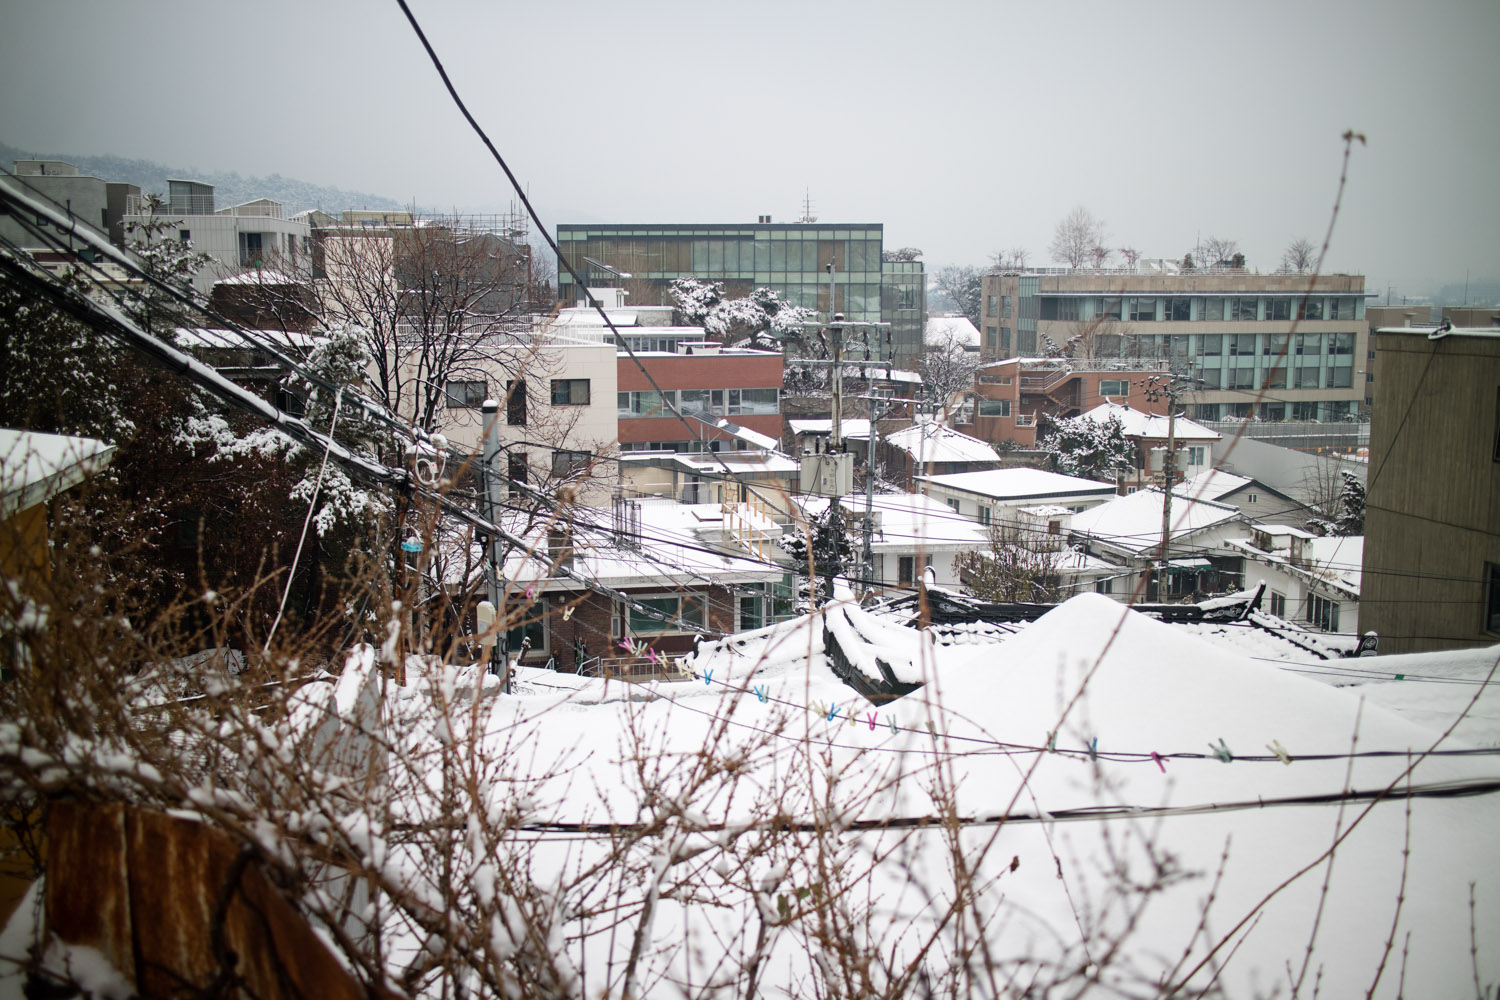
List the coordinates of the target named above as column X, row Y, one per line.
column 1211, row 343
column 1109, row 308
column 1178, row 310
column 1244, row 310
column 1242, row 378
column 1278, row 309
column 1341, row 377
column 1114, row 387
column 1311, row 309
column 673, row 614
column 646, row 403
column 1213, row 308
column 1143, row 310
column 994, row 407
column 1341, row 343
column 1241, row 344
column 515, row 403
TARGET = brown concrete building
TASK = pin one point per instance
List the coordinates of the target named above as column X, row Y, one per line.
column 1245, row 335
column 1432, row 520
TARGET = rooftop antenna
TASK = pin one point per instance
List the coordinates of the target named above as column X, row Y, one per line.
column 807, row 208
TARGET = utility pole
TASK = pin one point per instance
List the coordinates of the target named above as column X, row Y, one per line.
column 1155, row 390
column 499, row 653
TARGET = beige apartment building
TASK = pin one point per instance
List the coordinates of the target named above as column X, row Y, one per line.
column 1244, row 336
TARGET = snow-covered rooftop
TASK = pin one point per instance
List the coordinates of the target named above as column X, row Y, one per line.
column 1211, row 485
column 909, row 520
column 1148, row 425
column 1010, row 485
column 853, row 428
column 261, row 276
column 36, row 467
column 944, row 330
column 202, row 336
column 929, row 441
column 1133, row 523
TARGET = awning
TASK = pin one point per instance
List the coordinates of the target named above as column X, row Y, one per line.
column 1188, row 565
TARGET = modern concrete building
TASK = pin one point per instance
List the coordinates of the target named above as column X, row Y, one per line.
column 1432, row 517
column 250, row 235
column 791, row 258
column 97, row 202
column 1245, row 335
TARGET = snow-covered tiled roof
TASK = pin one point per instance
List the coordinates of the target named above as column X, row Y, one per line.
column 202, row 336
column 1021, row 484
column 261, row 276
column 1148, row 425
column 933, row 442
column 1133, row 523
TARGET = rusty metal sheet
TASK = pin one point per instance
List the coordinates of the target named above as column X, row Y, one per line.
column 87, row 890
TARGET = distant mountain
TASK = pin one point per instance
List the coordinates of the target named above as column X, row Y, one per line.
column 229, row 188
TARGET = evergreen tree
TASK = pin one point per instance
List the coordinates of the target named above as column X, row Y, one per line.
column 1348, row 515
column 831, row 547
column 1079, row 446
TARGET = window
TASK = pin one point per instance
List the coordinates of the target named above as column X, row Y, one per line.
column 1195, row 455
column 1004, row 341
column 751, row 402
column 1143, row 310
column 1492, row 598
column 1056, row 308
column 1177, row 310
column 464, row 395
column 1213, row 308
column 1114, row 387
column 1278, row 309
column 1340, row 378
column 994, row 407
column 1244, row 310
column 677, row 613
column 954, row 505
column 644, row 403
column 990, row 305
column 515, row 467
column 1278, row 604
column 906, row 569
column 1211, row 344
column 1341, row 343
column 1109, row 308
column 1241, row 345
column 1306, row 378
column 515, row 403
column 1104, row 586
column 1322, row 613
column 1311, row 309
column 1005, row 306
column 1241, row 378
column 570, row 392
column 184, row 235
column 251, row 250
column 564, row 462
column 1208, row 411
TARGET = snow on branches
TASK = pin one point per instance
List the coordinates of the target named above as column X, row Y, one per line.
column 1079, row 446
column 760, row 319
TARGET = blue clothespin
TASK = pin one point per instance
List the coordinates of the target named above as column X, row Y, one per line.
column 708, row 677
column 1222, row 751
column 760, row 692
column 1094, row 748
column 891, row 721
column 833, row 713
column 1052, row 740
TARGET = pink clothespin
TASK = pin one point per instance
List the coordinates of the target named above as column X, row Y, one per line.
column 1159, row 761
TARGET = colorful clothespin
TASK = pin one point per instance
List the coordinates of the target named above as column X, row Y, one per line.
column 708, row 677
column 820, row 708
column 651, row 654
column 1400, row 677
column 567, row 612
column 531, row 590
column 931, row 730
column 873, row 717
column 1222, row 751
column 1159, row 761
column 760, row 692
column 1094, row 748
column 833, row 712
column 1280, row 751
column 628, row 645
column 1052, row 740
column 891, row 721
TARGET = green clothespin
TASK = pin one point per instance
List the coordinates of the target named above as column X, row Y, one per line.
column 1222, row 751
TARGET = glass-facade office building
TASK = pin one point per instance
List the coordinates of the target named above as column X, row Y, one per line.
column 791, row 258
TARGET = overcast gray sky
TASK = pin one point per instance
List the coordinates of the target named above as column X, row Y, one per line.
column 965, row 127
